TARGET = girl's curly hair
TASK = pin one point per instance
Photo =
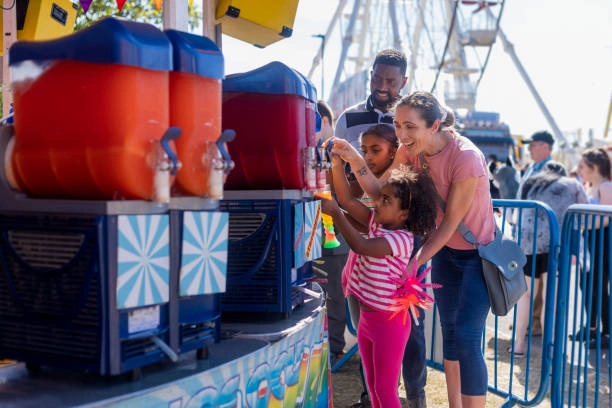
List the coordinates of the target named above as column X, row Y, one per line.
column 417, row 194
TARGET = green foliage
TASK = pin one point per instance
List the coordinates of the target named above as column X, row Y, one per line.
column 143, row 11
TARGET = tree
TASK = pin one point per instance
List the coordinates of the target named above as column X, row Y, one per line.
column 143, row 11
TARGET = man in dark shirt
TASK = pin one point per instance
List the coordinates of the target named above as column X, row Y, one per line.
column 388, row 77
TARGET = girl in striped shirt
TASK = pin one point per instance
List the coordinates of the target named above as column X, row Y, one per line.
column 406, row 207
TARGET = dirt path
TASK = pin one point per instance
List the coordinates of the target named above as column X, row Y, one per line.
column 346, row 386
column 346, row 383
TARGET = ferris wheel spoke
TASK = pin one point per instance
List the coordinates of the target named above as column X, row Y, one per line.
column 448, row 45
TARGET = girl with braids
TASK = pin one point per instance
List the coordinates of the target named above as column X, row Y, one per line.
column 405, row 206
column 459, row 172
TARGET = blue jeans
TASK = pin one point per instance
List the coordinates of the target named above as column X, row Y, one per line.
column 463, row 303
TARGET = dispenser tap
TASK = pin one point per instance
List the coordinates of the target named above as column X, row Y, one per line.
column 323, row 162
column 167, row 164
column 225, row 163
column 172, row 163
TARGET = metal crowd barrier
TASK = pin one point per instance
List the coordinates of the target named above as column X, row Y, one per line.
column 563, row 366
column 581, row 361
column 521, row 380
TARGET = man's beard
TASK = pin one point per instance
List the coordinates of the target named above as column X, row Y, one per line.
column 386, row 104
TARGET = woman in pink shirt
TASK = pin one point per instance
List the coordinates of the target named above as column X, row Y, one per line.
column 459, row 171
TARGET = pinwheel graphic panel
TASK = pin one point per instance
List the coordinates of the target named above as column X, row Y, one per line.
column 204, row 253
column 143, row 262
column 299, row 243
column 312, row 230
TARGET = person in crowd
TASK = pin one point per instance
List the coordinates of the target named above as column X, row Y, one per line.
column 327, row 120
column 594, row 169
column 405, row 206
column 329, row 267
column 493, row 164
column 507, row 177
column 552, row 186
column 540, row 146
column 387, row 79
column 378, row 147
column 459, row 172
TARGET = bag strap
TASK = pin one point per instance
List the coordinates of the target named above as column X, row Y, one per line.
column 462, row 228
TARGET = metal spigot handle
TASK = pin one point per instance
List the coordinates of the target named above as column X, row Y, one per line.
column 227, row 136
column 319, row 153
column 172, row 133
column 328, row 149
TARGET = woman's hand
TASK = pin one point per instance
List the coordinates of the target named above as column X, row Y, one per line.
column 411, row 268
column 346, row 151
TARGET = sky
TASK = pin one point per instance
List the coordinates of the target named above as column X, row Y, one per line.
column 564, row 46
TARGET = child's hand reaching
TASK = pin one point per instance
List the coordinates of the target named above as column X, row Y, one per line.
column 329, row 206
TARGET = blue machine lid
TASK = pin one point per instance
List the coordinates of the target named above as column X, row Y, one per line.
column 273, row 78
column 195, row 54
column 312, row 90
column 108, row 41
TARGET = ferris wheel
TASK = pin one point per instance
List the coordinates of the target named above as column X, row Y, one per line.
column 447, row 42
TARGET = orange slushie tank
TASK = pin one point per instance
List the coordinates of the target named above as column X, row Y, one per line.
column 90, row 110
column 195, row 107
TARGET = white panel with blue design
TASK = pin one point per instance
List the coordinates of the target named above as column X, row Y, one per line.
column 299, row 242
column 204, row 248
column 312, row 230
column 143, row 261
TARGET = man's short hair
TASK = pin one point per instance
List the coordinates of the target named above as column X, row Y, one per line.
column 325, row 110
column 392, row 57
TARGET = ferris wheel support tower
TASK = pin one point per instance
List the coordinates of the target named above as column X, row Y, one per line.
column 422, row 29
column 447, row 42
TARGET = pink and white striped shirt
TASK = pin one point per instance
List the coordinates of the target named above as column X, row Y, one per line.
column 371, row 277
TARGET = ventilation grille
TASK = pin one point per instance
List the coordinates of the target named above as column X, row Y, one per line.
column 254, row 266
column 137, row 349
column 51, row 341
column 244, row 225
column 197, row 335
column 49, row 286
column 45, row 249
